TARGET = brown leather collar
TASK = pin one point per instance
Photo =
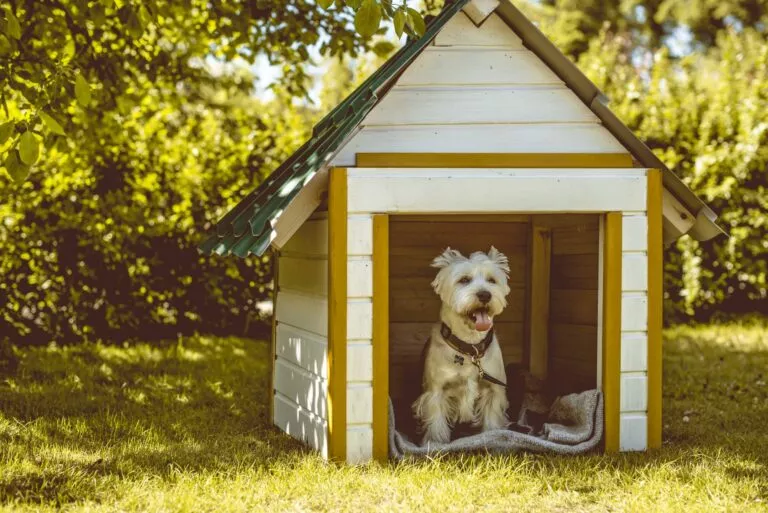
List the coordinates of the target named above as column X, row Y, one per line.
column 475, row 350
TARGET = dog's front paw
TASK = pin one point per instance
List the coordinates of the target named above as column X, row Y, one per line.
column 437, row 433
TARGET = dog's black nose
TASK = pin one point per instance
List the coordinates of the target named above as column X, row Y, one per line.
column 484, row 296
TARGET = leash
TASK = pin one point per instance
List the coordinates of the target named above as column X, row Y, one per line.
column 475, row 352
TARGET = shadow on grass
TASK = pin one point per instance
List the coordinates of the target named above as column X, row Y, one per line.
column 76, row 421
column 74, row 416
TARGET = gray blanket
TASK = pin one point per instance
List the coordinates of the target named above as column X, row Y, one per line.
column 574, row 425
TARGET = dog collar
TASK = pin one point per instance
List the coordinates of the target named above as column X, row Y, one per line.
column 473, row 350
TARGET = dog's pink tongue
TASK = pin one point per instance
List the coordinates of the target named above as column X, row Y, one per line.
column 483, row 321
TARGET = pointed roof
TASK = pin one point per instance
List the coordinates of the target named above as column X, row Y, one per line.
column 248, row 227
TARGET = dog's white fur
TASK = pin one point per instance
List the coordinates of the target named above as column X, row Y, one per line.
column 455, row 393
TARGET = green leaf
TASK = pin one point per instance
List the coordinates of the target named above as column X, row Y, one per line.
column 6, row 129
column 52, row 124
column 13, row 28
column 29, row 148
column 17, row 169
column 399, row 21
column 416, row 22
column 368, row 18
column 355, row 4
column 383, row 48
column 325, row 4
column 82, row 91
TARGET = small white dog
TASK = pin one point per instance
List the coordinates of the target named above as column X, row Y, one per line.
column 464, row 378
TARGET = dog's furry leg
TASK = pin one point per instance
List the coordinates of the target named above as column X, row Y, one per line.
column 431, row 409
column 466, row 403
column 492, row 408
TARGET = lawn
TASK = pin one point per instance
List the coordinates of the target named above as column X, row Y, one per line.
column 181, row 426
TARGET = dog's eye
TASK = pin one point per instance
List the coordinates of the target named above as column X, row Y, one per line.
column 465, row 279
column 491, row 280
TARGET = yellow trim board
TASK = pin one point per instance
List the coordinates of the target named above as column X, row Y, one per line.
column 495, row 160
column 337, row 315
column 381, row 337
column 612, row 329
column 655, row 306
column 273, row 343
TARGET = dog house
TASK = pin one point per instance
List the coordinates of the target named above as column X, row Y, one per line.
column 479, row 133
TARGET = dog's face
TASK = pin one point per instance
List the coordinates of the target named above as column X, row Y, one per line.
column 475, row 287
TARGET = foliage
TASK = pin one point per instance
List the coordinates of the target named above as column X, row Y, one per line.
column 182, row 426
column 705, row 117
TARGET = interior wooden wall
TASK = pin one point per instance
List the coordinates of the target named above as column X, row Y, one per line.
column 573, row 303
column 414, row 307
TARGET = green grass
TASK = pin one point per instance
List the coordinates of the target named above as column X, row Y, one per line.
column 182, row 426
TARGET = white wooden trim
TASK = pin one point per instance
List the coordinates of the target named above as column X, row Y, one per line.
column 359, row 444
column 359, row 319
column 634, row 233
column 453, row 106
column 678, row 220
column 479, row 10
column 301, row 424
column 307, row 312
column 634, row 352
column 360, row 361
column 461, row 31
column 459, row 66
column 494, row 190
column 303, row 388
column 634, row 272
column 634, row 393
column 311, row 239
column 359, row 277
column 309, row 275
column 634, row 432
column 300, row 208
column 634, row 312
column 529, row 138
column 600, row 283
column 359, row 403
column 359, row 235
column 307, row 350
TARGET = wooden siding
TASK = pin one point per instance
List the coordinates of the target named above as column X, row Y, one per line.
column 300, row 377
column 574, row 303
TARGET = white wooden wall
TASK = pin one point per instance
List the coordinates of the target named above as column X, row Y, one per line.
column 479, row 90
column 359, row 338
column 633, row 428
column 301, row 364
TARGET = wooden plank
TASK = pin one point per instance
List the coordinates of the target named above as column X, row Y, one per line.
column 634, row 393
column 479, row 10
column 337, row 315
column 381, row 319
column 308, row 275
column 634, row 432
column 476, row 218
column 634, row 312
column 426, row 309
column 275, row 260
column 360, row 235
column 635, row 229
column 494, row 190
column 495, row 160
column 542, row 138
column 440, row 66
column 360, row 356
column 578, row 272
column 574, row 306
column 676, row 219
column 634, row 352
column 359, row 319
column 573, row 342
column 307, row 312
column 359, row 444
column 303, row 388
column 655, row 307
column 359, row 403
column 359, row 277
column 635, row 272
column 538, row 322
column 575, row 240
column 310, row 240
column 302, row 348
column 301, row 424
column 461, row 31
column 477, row 105
column 612, row 329
column 308, row 199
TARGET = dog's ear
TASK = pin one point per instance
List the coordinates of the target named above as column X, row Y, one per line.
column 448, row 257
column 500, row 259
